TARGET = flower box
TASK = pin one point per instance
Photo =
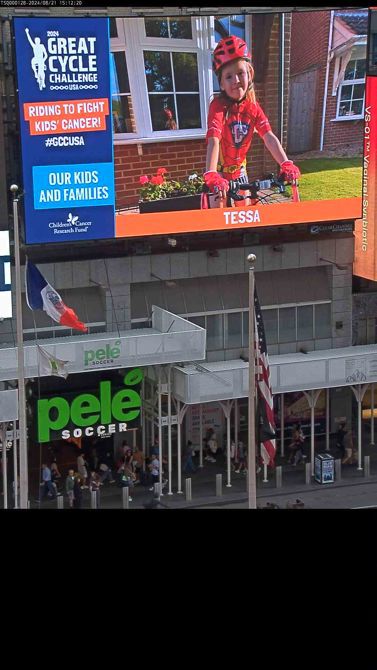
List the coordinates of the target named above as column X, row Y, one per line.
column 177, row 203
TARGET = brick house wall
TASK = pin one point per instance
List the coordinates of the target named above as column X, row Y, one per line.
column 339, row 133
column 182, row 157
column 309, row 44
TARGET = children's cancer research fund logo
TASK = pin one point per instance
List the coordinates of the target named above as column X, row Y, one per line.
column 68, row 63
column 72, row 224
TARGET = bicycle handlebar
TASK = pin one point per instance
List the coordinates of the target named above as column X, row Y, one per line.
column 268, row 182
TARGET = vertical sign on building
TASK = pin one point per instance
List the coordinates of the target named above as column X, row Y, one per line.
column 365, row 264
column 63, row 72
column 5, row 280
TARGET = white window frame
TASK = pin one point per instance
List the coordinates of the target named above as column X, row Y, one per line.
column 135, row 42
column 351, row 82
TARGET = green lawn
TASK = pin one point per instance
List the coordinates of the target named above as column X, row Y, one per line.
column 328, row 178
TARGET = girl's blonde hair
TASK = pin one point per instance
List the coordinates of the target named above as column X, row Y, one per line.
column 250, row 95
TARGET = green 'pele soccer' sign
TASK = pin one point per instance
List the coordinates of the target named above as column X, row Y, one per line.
column 104, row 412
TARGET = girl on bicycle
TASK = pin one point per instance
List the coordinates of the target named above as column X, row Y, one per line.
column 232, row 118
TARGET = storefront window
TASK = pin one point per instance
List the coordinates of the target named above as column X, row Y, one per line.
column 305, row 322
column 233, row 331
column 215, row 332
column 287, row 324
column 323, row 321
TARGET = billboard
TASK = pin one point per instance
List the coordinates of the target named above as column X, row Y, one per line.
column 365, row 264
column 311, row 90
column 5, row 277
column 63, row 73
column 146, row 103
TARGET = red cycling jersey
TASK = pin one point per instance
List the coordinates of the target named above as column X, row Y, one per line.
column 234, row 125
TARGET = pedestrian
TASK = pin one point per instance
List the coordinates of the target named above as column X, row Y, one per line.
column 49, row 490
column 82, row 469
column 341, row 432
column 155, row 470
column 69, row 485
column 77, row 492
column 211, row 445
column 55, row 474
column 350, row 451
column 241, row 458
column 299, row 455
column 106, row 474
column 138, row 460
column 188, row 463
column 234, row 115
column 94, row 481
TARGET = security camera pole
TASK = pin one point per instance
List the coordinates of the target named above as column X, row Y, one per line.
column 24, row 480
column 251, row 451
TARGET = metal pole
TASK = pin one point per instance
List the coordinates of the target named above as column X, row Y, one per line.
column 15, row 469
column 312, row 431
column 252, row 488
column 327, row 419
column 279, row 477
column 4, row 461
column 219, row 485
column 372, row 414
column 179, row 448
column 229, row 409
column 359, row 466
column 143, row 421
column 93, row 499
column 170, row 493
column 338, row 469
column 366, row 466
column 236, row 422
column 188, row 489
column 125, row 497
column 24, row 483
column 160, row 427
column 201, row 435
column 282, row 424
column 60, row 502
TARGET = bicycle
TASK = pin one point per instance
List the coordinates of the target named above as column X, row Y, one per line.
column 261, row 191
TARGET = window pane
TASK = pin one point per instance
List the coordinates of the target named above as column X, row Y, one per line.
column 346, row 93
column 287, row 324
column 305, row 322
column 118, row 73
column 237, row 25
column 185, row 72
column 158, row 105
column 158, row 71
column 156, row 27
column 361, row 332
column 180, row 29
column 215, row 332
column 224, row 26
column 123, row 118
column 234, row 334
column 344, row 109
column 322, row 320
column 270, row 321
column 358, row 91
column 221, row 27
column 357, row 107
column 360, row 69
column 350, row 70
column 188, row 111
column 113, row 28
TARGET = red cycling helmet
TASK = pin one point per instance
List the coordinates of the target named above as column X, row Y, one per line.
column 229, row 49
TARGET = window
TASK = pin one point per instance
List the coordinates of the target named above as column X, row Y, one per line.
column 322, row 320
column 215, row 332
column 160, row 82
column 287, row 324
column 176, row 28
column 305, row 322
column 270, row 321
column 351, row 92
column 123, row 116
column 173, row 89
column 233, row 338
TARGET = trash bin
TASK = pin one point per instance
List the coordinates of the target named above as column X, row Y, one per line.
column 324, row 468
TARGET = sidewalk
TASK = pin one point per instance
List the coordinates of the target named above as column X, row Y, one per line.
column 203, row 483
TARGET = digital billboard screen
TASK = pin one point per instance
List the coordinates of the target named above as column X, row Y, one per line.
column 63, row 78
column 225, row 100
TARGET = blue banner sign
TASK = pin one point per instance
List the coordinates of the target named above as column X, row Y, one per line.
column 63, row 70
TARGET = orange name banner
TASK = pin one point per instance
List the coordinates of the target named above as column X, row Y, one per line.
column 67, row 116
column 165, row 223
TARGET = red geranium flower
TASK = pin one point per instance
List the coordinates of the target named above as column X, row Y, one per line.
column 144, row 179
column 157, row 180
column 161, row 171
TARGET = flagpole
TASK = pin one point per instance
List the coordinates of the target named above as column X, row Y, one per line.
column 24, row 484
column 251, row 452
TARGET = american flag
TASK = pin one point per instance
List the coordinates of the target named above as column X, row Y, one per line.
column 265, row 407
